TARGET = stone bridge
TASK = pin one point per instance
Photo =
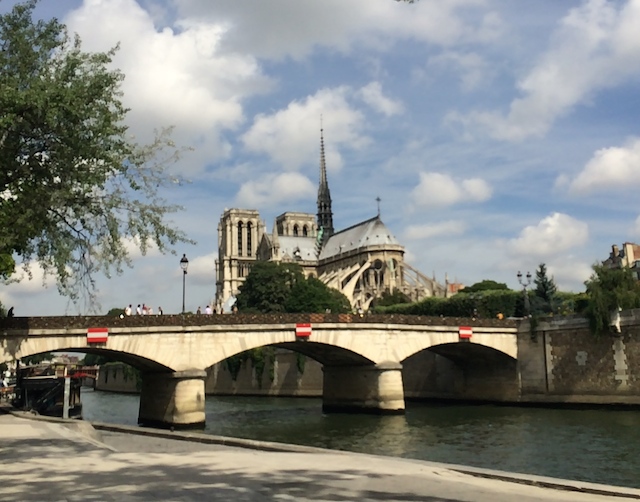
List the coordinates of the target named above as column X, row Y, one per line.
column 362, row 356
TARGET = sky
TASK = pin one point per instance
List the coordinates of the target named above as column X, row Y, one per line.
column 498, row 135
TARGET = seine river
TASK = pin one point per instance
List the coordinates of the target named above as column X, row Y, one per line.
column 601, row 446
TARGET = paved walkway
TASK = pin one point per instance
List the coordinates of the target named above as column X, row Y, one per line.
column 57, row 461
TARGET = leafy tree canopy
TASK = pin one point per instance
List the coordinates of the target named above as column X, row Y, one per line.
column 282, row 287
column 115, row 312
column 37, row 358
column 608, row 290
column 73, row 186
column 313, row 296
column 545, row 297
column 395, row 298
column 486, row 285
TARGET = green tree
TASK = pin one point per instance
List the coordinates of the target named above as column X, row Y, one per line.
column 313, row 296
column 115, row 312
column 485, row 285
column 282, row 287
column 608, row 290
column 37, row 358
column 545, row 292
column 268, row 285
column 395, row 298
column 73, row 186
column 7, row 265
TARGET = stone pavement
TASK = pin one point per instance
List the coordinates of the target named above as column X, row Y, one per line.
column 55, row 460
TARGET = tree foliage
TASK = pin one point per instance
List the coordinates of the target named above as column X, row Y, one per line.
column 485, row 285
column 312, row 295
column 395, row 298
column 545, row 292
column 37, row 358
column 282, row 287
column 608, row 290
column 74, row 188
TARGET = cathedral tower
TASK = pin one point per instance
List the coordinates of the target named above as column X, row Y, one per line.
column 325, row 215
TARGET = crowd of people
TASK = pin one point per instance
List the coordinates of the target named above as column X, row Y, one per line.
column 141, row 310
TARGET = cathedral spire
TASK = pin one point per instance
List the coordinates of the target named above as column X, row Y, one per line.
column 325, row 215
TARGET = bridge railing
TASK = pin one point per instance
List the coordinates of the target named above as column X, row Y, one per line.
column 134, row 321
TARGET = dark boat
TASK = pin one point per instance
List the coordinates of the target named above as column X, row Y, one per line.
column 41, row 389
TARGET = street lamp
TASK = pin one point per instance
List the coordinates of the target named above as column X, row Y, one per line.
column 525, row 283
column 184, row 264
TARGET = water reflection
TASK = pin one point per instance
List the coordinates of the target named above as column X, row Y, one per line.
column 591, row 445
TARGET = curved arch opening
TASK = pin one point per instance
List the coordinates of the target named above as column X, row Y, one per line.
column 279, row 367
column 461, row 371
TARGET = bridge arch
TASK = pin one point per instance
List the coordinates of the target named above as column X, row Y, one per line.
column 318, row 348
column 466, row 371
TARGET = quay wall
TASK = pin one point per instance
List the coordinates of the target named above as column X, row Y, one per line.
column 563, row 362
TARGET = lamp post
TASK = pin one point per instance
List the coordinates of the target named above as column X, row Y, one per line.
column 184, row 264
column 525, row 284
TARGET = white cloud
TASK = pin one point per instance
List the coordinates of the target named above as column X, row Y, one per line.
column 438, row 190
column 472, row 67
column 595, row 47
column 451, row 227
column 290, row 28
column 569, row 273
column 132, row 246
column 614, row 167
column 174, row 77
column 275, row 189
column 291, row 136
column 372, row 95
column 31, row 280
column 553, row 235
column 202, row 270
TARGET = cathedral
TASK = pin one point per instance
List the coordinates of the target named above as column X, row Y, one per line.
column 362, row 261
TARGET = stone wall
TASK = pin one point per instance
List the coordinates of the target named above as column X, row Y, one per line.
column 289, row 374
column 564, row 362
column 117, row 377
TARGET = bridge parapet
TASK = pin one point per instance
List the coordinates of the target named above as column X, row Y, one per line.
column 136, row 321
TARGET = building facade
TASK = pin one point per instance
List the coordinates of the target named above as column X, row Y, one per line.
column 628, row 256
column 362, row 261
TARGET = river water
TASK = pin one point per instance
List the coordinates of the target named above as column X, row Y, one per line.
column 600, row 446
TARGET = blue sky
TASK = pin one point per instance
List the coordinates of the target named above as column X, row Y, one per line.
column 497, row 138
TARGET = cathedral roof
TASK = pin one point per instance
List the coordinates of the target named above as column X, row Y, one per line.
column 370, row 232
column 297, row 247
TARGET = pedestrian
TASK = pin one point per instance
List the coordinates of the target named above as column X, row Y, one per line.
column 160, row 312
column 208, row 310
column 127, row 310
column 234, row 309
column 149, row 310
column 138, row 310
column 199, row 311
column 144, row 309
column 10, row 312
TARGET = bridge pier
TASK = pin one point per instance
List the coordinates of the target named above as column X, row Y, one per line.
column 172, row 399
column 375, row 389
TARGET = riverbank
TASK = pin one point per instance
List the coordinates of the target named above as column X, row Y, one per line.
column 69, row 460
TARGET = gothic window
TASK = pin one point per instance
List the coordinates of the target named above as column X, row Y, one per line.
column 295, row 230
column 240, row 229
column 305, row 232
column 249, row 250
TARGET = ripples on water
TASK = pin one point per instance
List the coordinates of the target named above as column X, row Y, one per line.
column 601, row 446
